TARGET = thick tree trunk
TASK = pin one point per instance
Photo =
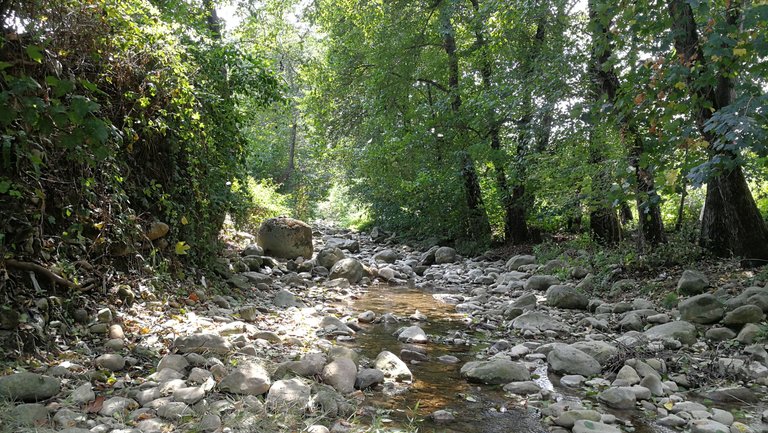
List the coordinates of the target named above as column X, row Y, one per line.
column 477, row 225
column 286, row 176
column 731, row 223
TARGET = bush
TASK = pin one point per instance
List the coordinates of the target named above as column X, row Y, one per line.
column 263, row 201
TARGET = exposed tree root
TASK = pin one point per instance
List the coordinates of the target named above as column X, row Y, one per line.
column 34, row 267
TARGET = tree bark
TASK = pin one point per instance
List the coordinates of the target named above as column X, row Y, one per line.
column 477, row 225
column 731, row 223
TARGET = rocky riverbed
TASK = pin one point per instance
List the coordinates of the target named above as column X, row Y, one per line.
column 370, row 335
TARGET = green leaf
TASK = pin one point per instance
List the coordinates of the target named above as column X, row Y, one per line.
column 5, row 185
column 35, row 53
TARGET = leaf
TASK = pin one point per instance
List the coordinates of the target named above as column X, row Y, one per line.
column 181, row 248
column 193, row 297
column 679, row 85
column 184, row 220
column 35, row 53
column 669, row 405
column 739, row 52
column 95, row 406
column 5, row 185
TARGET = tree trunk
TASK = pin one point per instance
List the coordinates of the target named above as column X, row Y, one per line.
column 285, row 177
column 649, row 220
column 477, row 225
column 731, row 223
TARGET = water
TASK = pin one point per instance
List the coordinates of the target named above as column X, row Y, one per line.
column 478, row 409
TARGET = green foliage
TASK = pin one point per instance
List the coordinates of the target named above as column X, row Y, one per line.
column 344, row 209
column 265, row 201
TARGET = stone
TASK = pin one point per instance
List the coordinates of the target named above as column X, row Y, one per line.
column 288, row 394
column 209, row 423
column 341, row 374
column 28, row 387
column 743, row 315
column 738, row 394
column 117, row 406
column 587, row 426
column 366, row 317
column 157, row 230
column 538, row 322
column 30, row 414
column 250, row 378
column 202, row 343
column 110, row 361
column 600, row 350
column 572, row 380
column 413, row 334
column 570, row 360
column 116, row 332
column 525, row 387
column 189, row 394
column 255, row 278
column 672, row 421
column 653, row 383
column 540, row 282
column 392, row 366
column 368, row 377
column 679, row 330
column 708, row 426
column 252, row 250
column 82, row 394
column 66, row 417
column 692, row 283
column 445, row 255
column 626, row 376
column 285, row 299
column 703, row 309
column 495, row 371
column 749, row 333
column 618, row 398
column 350, row 245
column 174, row 410
column 287, row 238
column 412, row 355
column 722, row 416
column 568, row 418
column 720, row 334
column 348, row 268
column 566, row 297
column 442, row 417
column 174, row 362
column 740, row 427
column 515, row 262
column 327, row 257
column 386, row 256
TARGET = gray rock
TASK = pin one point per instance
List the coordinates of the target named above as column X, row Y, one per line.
column 538, row 322
column 366, row 317
column 110, row 361
column 368, row 377
column 28, row 387
column 386, row 256
column 445, row 255
column 618, row 398
column 722, row 416
column 117, row 406
column 679, row 330
column 341, row 374
column 749, row 333
column 209, row 423
column 249, row 313
column 252, row 250
column 495, row 371
column 719, row 334
column 703, row 308
column 30, row 414
column 587, row 426
column 285, row 237
column 743, row 315
column 552, row 266
column 572, row 380
column 189, row 394
column 66, row 417
column 349, row 269
column 515, row 262
column 350, row 245
column 442, row 417
column 250, row 378
column 288, row 394
column 540, row 282
column 327, row 257
column 202, row 343
column 82, row 394
column 566, row 297
column 392, row 366
column 413, row 334
column 174, row 410
column 256, row 278
column 692, row 283
column 568, row 418
column 626, row 376
column 708, row 426
column 570, row 360
column 174, row 362
column 672, row 421
column 285, row 299
column 525, row 387
column 526, row 301
column 600, row 350
column 653, row 383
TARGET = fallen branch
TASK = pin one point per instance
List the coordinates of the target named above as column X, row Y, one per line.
column 34, row 267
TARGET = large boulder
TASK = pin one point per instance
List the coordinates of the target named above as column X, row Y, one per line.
column 341, row 374
column 600, row 350
column 704, row 308
column 495, row 371
column 348, row 268
column 327, row 257
column 743, row 315
column 520, row 260
column 28, row 387
column 692, row 283
column 392, row 366
column 679, row 330
column 566, row 297
column 570, row 360
column 285, row 237
column 445, row 255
